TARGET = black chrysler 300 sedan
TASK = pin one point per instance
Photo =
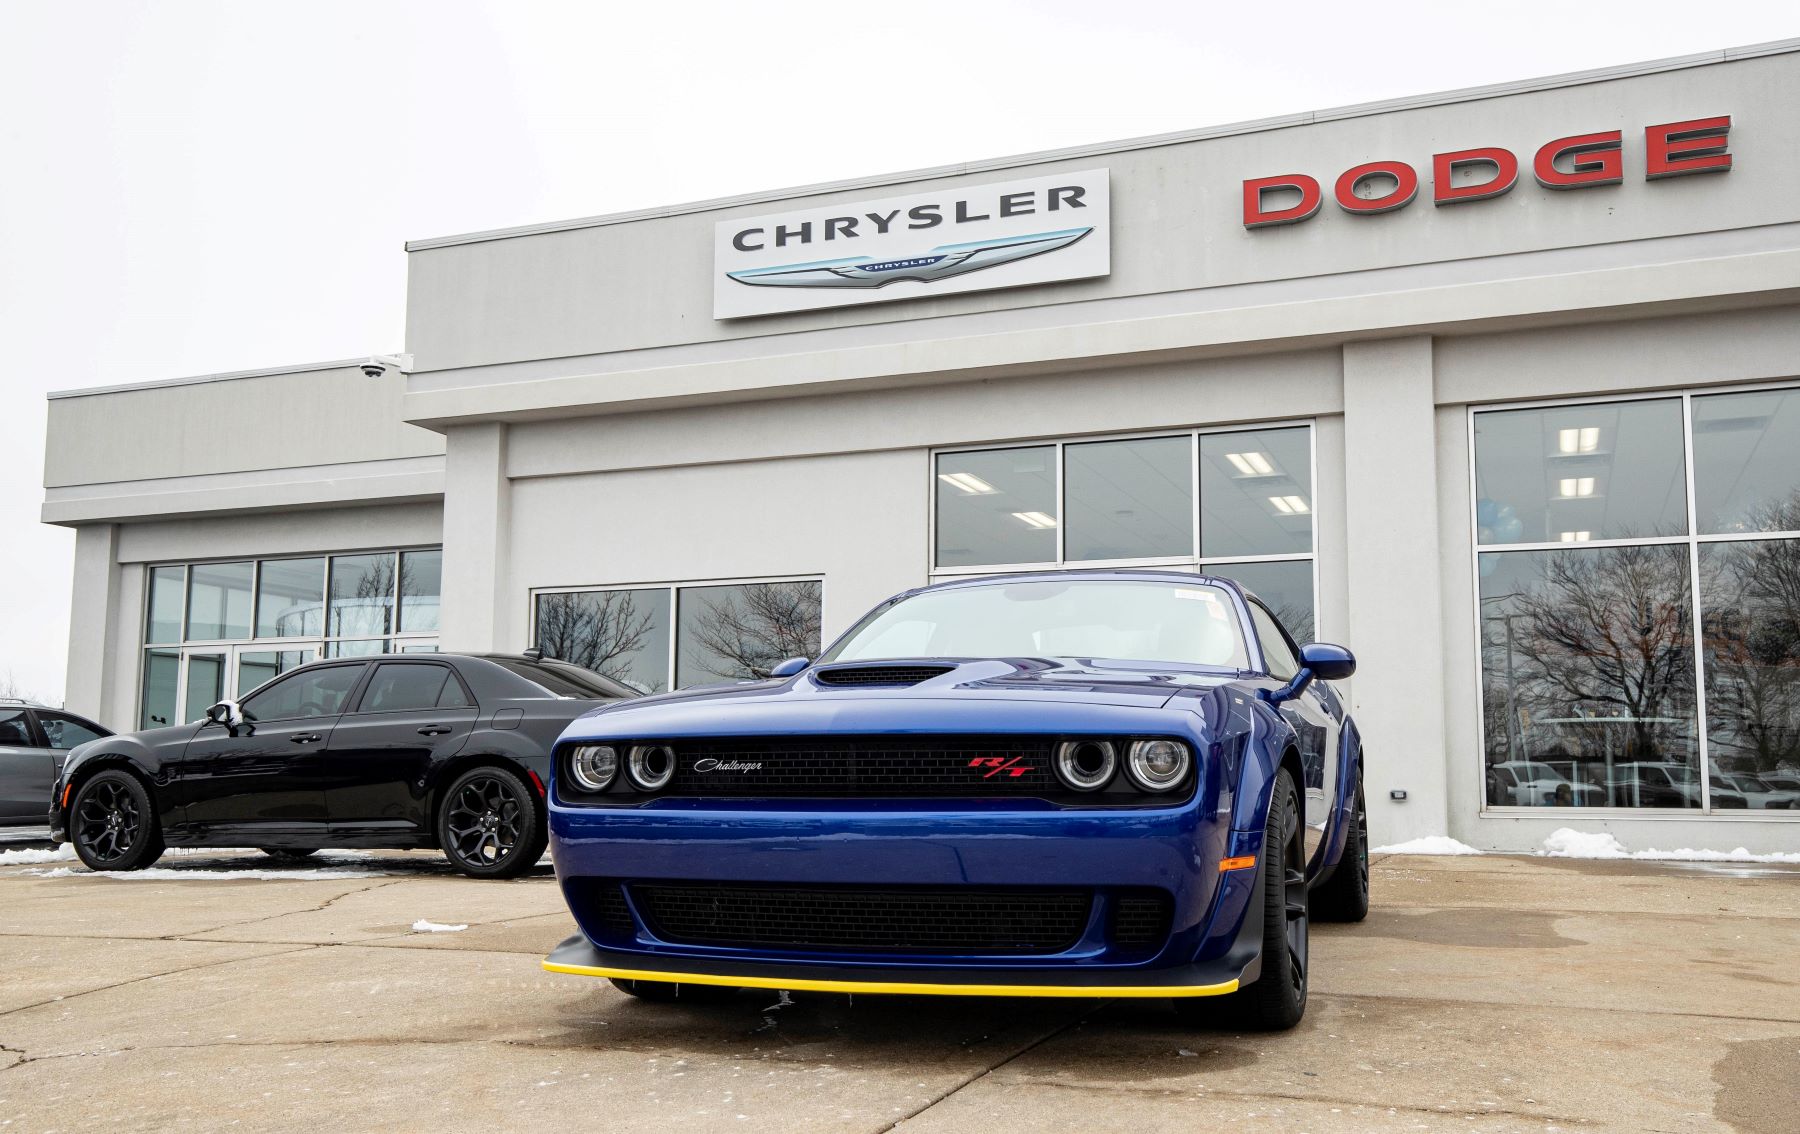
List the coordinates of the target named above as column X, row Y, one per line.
column 395, row 751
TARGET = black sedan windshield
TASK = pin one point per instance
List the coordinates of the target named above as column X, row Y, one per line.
column 1155, row 621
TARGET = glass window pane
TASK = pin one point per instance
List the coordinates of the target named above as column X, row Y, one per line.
column 362, row 595
column 15, row 729
column 205, row 684
column 310, row 693
column 1569, row 474
column 1747, row 462
column 421, row 581
column 737, row 633
column 265, row 665
column 399, row 686
column 1750, row 611
column 290, row 598
column 1286, row 587
column 1588, row 678
column 996, row 506
column 164, row 622
column 1280, row 660
column 356, row 649
column 1129, row 499
column 162, row 679
column 218, row 601
column 65, row 732
column 454, row 696
column 1256, row 492
column 621, row 634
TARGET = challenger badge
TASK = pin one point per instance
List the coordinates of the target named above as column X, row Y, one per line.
column 941, row 263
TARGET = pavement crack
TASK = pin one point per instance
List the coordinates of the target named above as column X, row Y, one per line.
column 320, row 908
column 978, row 1076
column 64, row 999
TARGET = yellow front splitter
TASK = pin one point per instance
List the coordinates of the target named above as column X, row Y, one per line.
column 908, row 988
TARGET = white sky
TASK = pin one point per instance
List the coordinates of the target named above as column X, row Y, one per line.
column 195, row 187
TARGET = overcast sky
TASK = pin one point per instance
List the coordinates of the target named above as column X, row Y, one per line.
column 197, row 187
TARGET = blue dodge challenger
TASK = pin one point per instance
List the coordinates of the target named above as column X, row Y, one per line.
column 1096, row 783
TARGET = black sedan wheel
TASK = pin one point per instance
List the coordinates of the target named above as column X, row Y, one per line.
column 114, row 825
column 490, row 825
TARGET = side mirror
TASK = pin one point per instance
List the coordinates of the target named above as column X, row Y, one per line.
column 226, row 713
column 1327, row 662
column 789, row 667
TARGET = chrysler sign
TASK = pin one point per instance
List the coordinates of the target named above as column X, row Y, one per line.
column 932, row 242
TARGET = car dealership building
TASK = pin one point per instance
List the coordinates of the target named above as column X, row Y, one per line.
column 1500, row 388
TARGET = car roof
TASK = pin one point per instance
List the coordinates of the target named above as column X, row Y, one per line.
column 1087, row 574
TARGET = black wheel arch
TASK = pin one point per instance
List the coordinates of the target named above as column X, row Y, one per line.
column 452, row 769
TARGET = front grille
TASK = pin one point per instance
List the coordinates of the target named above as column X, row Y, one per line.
column 879, row 674
column 900, row 919
column 606, row 899
column 865, row 766
column 1141, row 921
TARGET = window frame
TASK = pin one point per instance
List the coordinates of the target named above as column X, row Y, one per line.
column 1692, row 540
column 675, row 588
column 357, row 709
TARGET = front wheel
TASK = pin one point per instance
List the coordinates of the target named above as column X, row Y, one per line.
column 489, row 824
column 1345, row 895
column 114, row 825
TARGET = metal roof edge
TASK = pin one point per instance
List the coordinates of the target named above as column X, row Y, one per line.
column 200, row 379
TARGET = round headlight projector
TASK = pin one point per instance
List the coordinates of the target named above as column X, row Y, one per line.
column 593, row 767
column 1085, row 765
column 1157, row 765
column 652, row 766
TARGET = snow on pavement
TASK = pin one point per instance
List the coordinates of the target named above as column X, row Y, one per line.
column 1430, row 844
column 1566, row 842
column 165, row 874
column 423, row 926
column 31, row 856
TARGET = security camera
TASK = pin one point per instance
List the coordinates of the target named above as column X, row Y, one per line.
column 377, row 364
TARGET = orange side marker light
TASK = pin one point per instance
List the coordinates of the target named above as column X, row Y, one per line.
column 1242, row 862
column 67, row 788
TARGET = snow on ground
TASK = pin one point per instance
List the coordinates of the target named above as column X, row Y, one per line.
column 30, row 857
column 1566, row 842
column 166, row 874
column 1430, row 844
column 423, row 926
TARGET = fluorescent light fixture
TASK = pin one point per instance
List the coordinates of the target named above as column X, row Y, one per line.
column 1251, row 464
column 1573, row 486
column 1581, row 439
column 1577, row 537
column 1290, row 505
column 1035, row 519
column 969, row 483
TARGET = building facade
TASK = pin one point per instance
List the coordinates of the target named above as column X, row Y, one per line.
column 1500, row 388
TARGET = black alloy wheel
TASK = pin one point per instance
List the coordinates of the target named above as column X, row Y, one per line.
column 490, row 825
column 668, row 992
column 114, row 825
column 1345, row 895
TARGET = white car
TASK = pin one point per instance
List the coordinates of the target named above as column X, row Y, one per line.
column 1758, row 791
column 1531, row 783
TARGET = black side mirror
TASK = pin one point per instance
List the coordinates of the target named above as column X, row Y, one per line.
column 226, row 713
column 789, row 667
column 1327, row 662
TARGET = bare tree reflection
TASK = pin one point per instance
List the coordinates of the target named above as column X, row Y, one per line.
column 1750, row 600
column 599, row 630
column 742, row 631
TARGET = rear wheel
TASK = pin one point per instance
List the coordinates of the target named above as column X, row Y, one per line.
column 114, row 825
column 489, row 824
column 667, row 992
column 1345, row 895
column 289, row 854
column 1278, row 998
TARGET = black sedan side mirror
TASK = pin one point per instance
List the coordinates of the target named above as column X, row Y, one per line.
column 226, row 713
column 1327, row 662
column 789, row 667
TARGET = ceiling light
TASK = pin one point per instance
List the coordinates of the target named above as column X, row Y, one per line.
column 1577, row 537
column 1035, row 519
column 1290, row 505
column 1251, row 464
column 1582, row 439
column 969, row 483
column 1572, row 486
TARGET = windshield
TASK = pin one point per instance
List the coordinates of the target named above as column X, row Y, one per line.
column 1193, row 623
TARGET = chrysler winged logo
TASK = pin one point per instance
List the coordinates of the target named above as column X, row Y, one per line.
column 941, row 263
column 711, row 765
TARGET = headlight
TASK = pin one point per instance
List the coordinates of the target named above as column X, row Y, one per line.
column 1085, row 765
column 652, row 766
column 593, row 766
column 1158, row 765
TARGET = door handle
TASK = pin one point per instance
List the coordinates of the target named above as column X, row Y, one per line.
column 434, row 730
column 305, row 738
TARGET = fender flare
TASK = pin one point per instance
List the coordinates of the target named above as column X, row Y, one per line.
column 1350, row 761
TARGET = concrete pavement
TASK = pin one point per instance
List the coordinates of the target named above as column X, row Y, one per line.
column 1483, row 994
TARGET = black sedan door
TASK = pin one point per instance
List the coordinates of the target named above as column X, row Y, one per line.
column 411, row 714
column 269, row 776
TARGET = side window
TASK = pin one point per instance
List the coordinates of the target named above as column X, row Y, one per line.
column 307, row 693
column 400, row 686
column 1277, row 653
column 64, row 731
column 454, row 695
column 15, row 729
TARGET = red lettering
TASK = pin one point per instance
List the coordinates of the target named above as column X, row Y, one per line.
column 1444, row 166
column 1406, row 187
column 1594, row 159
column 1694, row 146
column 1255, row 216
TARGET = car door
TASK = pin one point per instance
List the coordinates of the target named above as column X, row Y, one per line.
column 267, row 773
column 409, row 716
column 1316, row 716
column 62, row 731
column 26, row 770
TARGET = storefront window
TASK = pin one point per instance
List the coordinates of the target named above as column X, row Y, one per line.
column 1129, row 499
column 1285, row 585
column 362, row 595
column 218, row 603
column 1591, row 687
column 168, row 588
column 1256, row 493
column 997, row 506
column 290, row 598
column 421, row 581
column 622, row 634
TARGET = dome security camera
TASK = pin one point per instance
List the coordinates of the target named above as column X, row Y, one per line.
column 377, row 364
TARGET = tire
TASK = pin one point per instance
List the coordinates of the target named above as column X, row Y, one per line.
column 668, row 992
column 1345, row 895
column 289, row 854
column 114, row 824
column 1277, row 1000
column 489, row 824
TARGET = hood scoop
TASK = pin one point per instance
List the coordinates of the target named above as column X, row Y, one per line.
column 878, row 675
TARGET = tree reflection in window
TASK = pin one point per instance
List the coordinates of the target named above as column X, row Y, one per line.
column 1750, row 607
column 737, row 633
column 623, row 634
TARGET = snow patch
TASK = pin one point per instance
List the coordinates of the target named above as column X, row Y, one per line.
column 423, row 926
column 1430, row 844
column 165, row 874
column 1566, row 842
column 31, row 856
